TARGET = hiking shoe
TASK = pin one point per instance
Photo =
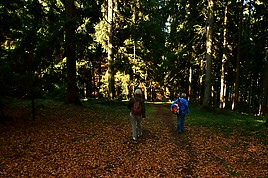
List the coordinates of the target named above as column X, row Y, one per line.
column 134, row 138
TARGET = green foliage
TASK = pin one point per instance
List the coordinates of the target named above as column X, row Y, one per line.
column 166, row 39
column 5, row 78
column 57, row 91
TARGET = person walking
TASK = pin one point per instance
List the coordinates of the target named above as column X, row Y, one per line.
column 137, row 113
column 181, row 109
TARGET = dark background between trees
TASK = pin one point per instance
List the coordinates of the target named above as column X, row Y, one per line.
column 215, row 51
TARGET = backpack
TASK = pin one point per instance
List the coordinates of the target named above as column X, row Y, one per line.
column 136, row 109
column 176, row 108
column 185, row 108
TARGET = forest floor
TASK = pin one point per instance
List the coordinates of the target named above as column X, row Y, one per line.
column 71, row 141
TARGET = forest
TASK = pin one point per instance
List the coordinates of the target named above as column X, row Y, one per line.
column 69, row 67
column 215, row 51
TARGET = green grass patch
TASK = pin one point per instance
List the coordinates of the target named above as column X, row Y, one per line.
column 76, row 139
column 109, row 112
column 38, row 103
column 234, row 173
column 152, row 115
column 90, row 136
column 228, row 121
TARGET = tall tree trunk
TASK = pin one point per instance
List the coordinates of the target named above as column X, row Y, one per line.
column 94, row 81
column 72, row 93
column 247, row 65
column 190, row 9
column 264, row 103
column 111, row 91
column 99, row 79
column 237, row 75
column 190, row 81
column 207, row 89
column 201, row 83
column 145, row 86
column 224, row 59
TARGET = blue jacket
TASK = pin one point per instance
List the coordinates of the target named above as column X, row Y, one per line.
column 183, row 105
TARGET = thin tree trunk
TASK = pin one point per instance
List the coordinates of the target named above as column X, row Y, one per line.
column 111, row 91
column 145, row 87
column 72, row 94
column 265, row 93
column 94, row 81
column 190, row 81
column 237, row 75
column 90, row 81
column 207, row 91
column 224, row 59
column 99, row 79
column 190, row 10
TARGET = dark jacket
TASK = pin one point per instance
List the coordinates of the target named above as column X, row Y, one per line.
column 140, row 99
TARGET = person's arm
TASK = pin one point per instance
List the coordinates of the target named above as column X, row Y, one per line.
column 130, row 103
column 187, row 109
column 143, row 109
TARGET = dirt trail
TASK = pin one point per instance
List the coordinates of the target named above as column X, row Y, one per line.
column 182, row 141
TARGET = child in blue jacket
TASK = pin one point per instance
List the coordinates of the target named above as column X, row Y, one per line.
column 183, row 109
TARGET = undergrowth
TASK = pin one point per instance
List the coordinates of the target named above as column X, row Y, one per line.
column 228, row 122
